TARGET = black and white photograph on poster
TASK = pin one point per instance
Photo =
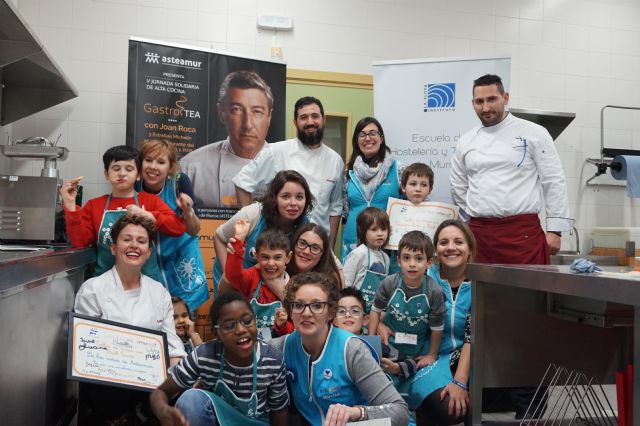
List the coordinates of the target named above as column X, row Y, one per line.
column 219, row 110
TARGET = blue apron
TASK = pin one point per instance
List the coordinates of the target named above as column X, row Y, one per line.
column 180, row 258
column 231, row 410
column 408, row 316
column 265, row 314
column 438, row 374
column 389, row 187
column 370, row 284
column 250, row 258
column 317, row 385
column 105, row 259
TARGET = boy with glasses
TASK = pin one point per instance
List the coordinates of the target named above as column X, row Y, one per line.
column 352, row 317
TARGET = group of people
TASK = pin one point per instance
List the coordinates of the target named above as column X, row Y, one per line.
column 291, row 319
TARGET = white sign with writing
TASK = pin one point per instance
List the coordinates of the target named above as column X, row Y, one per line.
column 121, row 354
column 426, row 217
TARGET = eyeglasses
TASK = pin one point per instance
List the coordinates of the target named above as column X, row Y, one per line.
column 354, row 311
column 230, row 326
column 315, row 307
column 313, row 248
column 370, row 133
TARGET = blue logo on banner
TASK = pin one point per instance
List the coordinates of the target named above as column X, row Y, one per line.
column 440, row 97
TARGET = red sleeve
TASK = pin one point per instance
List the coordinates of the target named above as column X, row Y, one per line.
column 287, row 329
column 243, row 280
column 83, row 224
column 167, row 222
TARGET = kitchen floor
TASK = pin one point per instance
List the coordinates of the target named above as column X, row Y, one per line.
column 553, row 407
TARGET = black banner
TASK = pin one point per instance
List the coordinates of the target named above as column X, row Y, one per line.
column 173, row 91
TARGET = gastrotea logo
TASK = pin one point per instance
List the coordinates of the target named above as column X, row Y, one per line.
column 151, row 57
column 439, row 97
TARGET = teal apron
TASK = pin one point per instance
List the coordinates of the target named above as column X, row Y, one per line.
column 408, row 316
column 265, row 314
column 411, row 317
column 231, row 410
column 370, row 284
column 180, row 258
column 105, row 259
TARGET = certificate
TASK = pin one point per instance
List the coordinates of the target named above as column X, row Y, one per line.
column 426, row 217
column 124, row 355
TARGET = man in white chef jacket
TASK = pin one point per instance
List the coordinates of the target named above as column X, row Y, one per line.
column 245, row 104
column 321, row 166
column 503, row 172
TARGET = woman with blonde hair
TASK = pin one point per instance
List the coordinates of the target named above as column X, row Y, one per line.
column 179, row 257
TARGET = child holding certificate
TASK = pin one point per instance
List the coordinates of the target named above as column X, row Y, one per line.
column 367, row 265
column 413, row 303
column 416, row 183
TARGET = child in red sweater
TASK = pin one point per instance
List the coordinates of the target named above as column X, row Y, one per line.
column 262, row 284
column 93, row 222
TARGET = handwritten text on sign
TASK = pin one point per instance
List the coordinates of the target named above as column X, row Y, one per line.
column 116, row 354
column 426, row 217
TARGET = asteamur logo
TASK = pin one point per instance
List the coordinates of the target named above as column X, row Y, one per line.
column 439, row 97
column 154, row 58
column 151, row 57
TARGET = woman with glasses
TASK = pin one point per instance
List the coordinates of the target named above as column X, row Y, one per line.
column 284, row 206
column 243, row 379
column 371, row 177
column 333, row 375
column 311, row 253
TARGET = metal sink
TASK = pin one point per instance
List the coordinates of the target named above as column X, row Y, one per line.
column 566, row 258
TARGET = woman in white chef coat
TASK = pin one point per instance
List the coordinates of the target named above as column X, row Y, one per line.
column 123, row 294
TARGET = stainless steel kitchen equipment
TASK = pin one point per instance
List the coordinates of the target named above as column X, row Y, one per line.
column 30, row 207
column 38, row 147
column 30, row 80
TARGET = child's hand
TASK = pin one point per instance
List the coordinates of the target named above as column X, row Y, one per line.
column 281, row 317
column 68, row 193
column 424, row 360
column 132, row 209
column 189, row 327
column 185, row 203
column 384, row 332
column 230, row 248
column 389, row 366
column 241, row 229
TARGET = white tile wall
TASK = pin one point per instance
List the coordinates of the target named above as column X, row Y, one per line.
column 572, row 55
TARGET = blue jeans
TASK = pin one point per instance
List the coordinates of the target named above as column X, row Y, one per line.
column 197, row 407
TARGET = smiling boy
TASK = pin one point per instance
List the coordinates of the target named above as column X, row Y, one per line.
column 413, row 303
column 273, row 253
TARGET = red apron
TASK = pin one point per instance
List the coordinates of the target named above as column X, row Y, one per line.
column 513, row 240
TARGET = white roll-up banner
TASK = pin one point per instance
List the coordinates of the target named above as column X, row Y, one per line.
column 425, row 105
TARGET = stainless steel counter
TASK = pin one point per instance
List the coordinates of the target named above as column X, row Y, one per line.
column 514, row 339
column 36, row 291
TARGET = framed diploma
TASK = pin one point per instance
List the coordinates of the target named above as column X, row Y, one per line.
column 426, row 217
column 108, row 352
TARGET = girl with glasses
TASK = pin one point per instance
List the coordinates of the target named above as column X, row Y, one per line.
column 371, row 177
column 311, row 253
column 243, row 379
column 333, row 375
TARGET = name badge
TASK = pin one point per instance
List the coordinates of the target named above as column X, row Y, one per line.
column 407, row 338
column 265, row 333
